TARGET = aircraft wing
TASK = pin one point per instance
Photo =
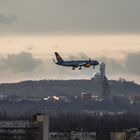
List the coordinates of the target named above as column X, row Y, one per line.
column 82, row 64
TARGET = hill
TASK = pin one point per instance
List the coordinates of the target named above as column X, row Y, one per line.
column 65, row 87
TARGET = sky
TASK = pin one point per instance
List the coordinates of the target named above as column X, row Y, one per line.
column 106, row 30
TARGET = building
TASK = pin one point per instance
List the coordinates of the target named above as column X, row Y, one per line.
column 118, row 136
column 86, row 96
column 128, row 134
column 133, row 134
column 72, row 136
column 36, row 129
column 101, row 74
column 105, row 89
column 102, row 80
column 83, row 136
column 102, row 71
column 59, row 136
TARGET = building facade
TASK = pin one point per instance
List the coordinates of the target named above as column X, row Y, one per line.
column 36, row 129
column 72, row 136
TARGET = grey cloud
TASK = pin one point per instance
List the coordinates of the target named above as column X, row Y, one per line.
column 133, row 63
column 94, row 16
column 7, row 19
column 74, row 16
column 25, row 66
column 22, row 62
column 127, row 68
column 113, row 66
column 80, row 56
column 83, row 56
column 130, row 66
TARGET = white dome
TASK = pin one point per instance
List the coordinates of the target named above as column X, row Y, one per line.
column 102, row 64
column 96, row 75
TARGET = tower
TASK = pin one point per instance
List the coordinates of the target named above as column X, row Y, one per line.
column 101, row 79
column 102, row 71
column 105, row 87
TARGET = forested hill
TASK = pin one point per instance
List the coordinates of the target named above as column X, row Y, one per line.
column 66, row 87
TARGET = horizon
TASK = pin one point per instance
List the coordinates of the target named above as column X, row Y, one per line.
column 17, row 82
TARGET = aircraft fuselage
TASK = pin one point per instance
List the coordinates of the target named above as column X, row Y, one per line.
column 75, row 63
column 84, row 63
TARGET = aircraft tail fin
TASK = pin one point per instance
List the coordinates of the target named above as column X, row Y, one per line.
column 58, row 57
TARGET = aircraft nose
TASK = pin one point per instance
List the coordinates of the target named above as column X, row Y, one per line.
column 97, row 62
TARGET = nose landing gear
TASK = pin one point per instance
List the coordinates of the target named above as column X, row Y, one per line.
column 73, row 68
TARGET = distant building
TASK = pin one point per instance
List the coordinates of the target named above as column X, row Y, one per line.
column 133, row 134
column 101, row 74
column 105, row 89
column 83, row 136
column 134, row 99
column 102, row 70
column 96, row 76
column 118, row 136
column 59, row 136
column 86, row 96
column 101, row 78
column 128, row 134
column 72, row 136
column 37, row 129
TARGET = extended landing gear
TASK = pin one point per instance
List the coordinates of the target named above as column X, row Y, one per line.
column 73, row 68
column 80, row 68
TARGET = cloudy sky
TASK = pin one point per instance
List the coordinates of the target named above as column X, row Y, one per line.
column 30, row 32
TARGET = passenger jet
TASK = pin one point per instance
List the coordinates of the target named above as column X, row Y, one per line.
column 75, row 63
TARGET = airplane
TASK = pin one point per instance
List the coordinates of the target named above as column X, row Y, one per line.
column 75, row 63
